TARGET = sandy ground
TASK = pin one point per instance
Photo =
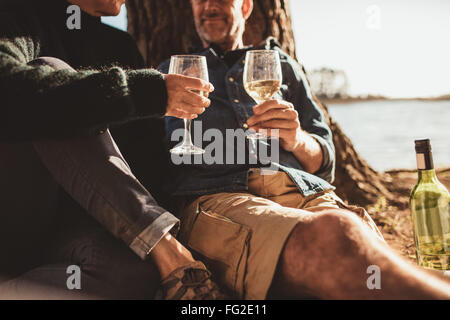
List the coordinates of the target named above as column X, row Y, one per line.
column 395, row 222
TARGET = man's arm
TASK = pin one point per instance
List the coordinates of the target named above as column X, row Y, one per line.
column 301, row 125
column 308, row 152
column 281, row 115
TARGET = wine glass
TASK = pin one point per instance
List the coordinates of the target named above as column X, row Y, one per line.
column 192, row 66
column 262, row 78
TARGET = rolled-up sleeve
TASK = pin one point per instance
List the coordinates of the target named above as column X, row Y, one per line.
column 311, row 117
column 144, row 243
column 327, row 169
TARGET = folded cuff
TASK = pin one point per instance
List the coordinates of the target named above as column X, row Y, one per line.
column 144, row 243
column 326, row 171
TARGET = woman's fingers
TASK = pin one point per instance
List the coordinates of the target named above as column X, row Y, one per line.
column 185, row 95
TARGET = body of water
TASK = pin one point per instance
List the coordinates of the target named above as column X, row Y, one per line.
column 383, row 132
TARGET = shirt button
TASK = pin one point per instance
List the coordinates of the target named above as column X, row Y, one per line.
column 245, row 126
column 236, row 101
column 231, row 79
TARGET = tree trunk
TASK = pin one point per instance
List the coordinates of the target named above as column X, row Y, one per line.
column 163, row 28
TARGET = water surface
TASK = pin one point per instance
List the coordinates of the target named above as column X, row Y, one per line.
column 383, row 132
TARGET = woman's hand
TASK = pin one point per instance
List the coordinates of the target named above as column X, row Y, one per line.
column 187, row 96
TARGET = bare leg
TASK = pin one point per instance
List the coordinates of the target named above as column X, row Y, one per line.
column 327, row 257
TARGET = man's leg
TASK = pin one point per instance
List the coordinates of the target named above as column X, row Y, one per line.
column 254, row 244
column 332, row 250
column 328, row 256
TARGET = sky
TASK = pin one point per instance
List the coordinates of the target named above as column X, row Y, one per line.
column 396, row 48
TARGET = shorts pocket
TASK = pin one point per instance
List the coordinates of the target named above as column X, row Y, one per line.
column 223, row 246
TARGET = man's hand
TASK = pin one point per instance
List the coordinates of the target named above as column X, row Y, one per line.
column 183, row 102
column 281, row 115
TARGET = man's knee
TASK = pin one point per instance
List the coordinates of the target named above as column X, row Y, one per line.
column 339, row 220
column 333, row 231
column 314, row 246
column 55, row 63
column 337, row 228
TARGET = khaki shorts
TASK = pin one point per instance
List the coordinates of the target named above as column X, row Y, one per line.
column 240, row 236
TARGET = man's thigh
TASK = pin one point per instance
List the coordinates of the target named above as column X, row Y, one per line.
column 330, row 200
column 240, row 237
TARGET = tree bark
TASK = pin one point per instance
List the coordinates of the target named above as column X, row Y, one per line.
column 163, row 28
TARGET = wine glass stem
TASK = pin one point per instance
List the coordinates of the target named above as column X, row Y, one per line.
column 187, row 140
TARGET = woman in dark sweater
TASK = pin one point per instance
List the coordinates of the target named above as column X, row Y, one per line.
column 58, row 159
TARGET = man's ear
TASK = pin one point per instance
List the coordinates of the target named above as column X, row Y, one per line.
column 247, row 8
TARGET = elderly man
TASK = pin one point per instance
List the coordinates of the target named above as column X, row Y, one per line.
column 58, row 161
column 283, row 232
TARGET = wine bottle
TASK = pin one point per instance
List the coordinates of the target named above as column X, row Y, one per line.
column 430, row 213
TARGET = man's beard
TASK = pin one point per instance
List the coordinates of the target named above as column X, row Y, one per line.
column 216, row 38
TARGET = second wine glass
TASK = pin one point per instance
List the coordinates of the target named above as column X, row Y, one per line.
column 196, row 67
column 262, row 78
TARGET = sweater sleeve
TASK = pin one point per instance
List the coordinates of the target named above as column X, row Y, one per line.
column 39, row 102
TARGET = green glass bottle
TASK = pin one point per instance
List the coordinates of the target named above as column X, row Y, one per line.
column 430, row 211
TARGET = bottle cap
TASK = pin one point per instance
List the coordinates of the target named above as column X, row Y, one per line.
column 423, row 146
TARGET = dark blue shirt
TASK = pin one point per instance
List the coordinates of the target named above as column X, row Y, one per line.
column 230, row 108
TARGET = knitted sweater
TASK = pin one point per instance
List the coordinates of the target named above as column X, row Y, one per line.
column 38, row 102
column 110, row 86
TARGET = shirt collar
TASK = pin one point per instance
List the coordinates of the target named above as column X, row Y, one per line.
column 231, row 57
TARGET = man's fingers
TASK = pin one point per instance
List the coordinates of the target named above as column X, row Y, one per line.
column 277, row 124
column 267, row 105
column 276, row 133
column 271, row 104
column 288, row 114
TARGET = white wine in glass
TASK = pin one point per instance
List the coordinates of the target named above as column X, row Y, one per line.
column 262, row 78
column 196, row 67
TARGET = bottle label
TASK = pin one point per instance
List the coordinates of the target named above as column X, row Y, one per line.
column 424, row 161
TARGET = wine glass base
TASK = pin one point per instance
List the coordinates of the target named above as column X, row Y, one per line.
column 187, row 149
column 256, row 136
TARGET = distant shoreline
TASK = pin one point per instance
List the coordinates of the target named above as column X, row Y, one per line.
column 381, row 98
column 443, row 169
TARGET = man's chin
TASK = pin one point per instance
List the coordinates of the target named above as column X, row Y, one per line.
column 214, row 37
